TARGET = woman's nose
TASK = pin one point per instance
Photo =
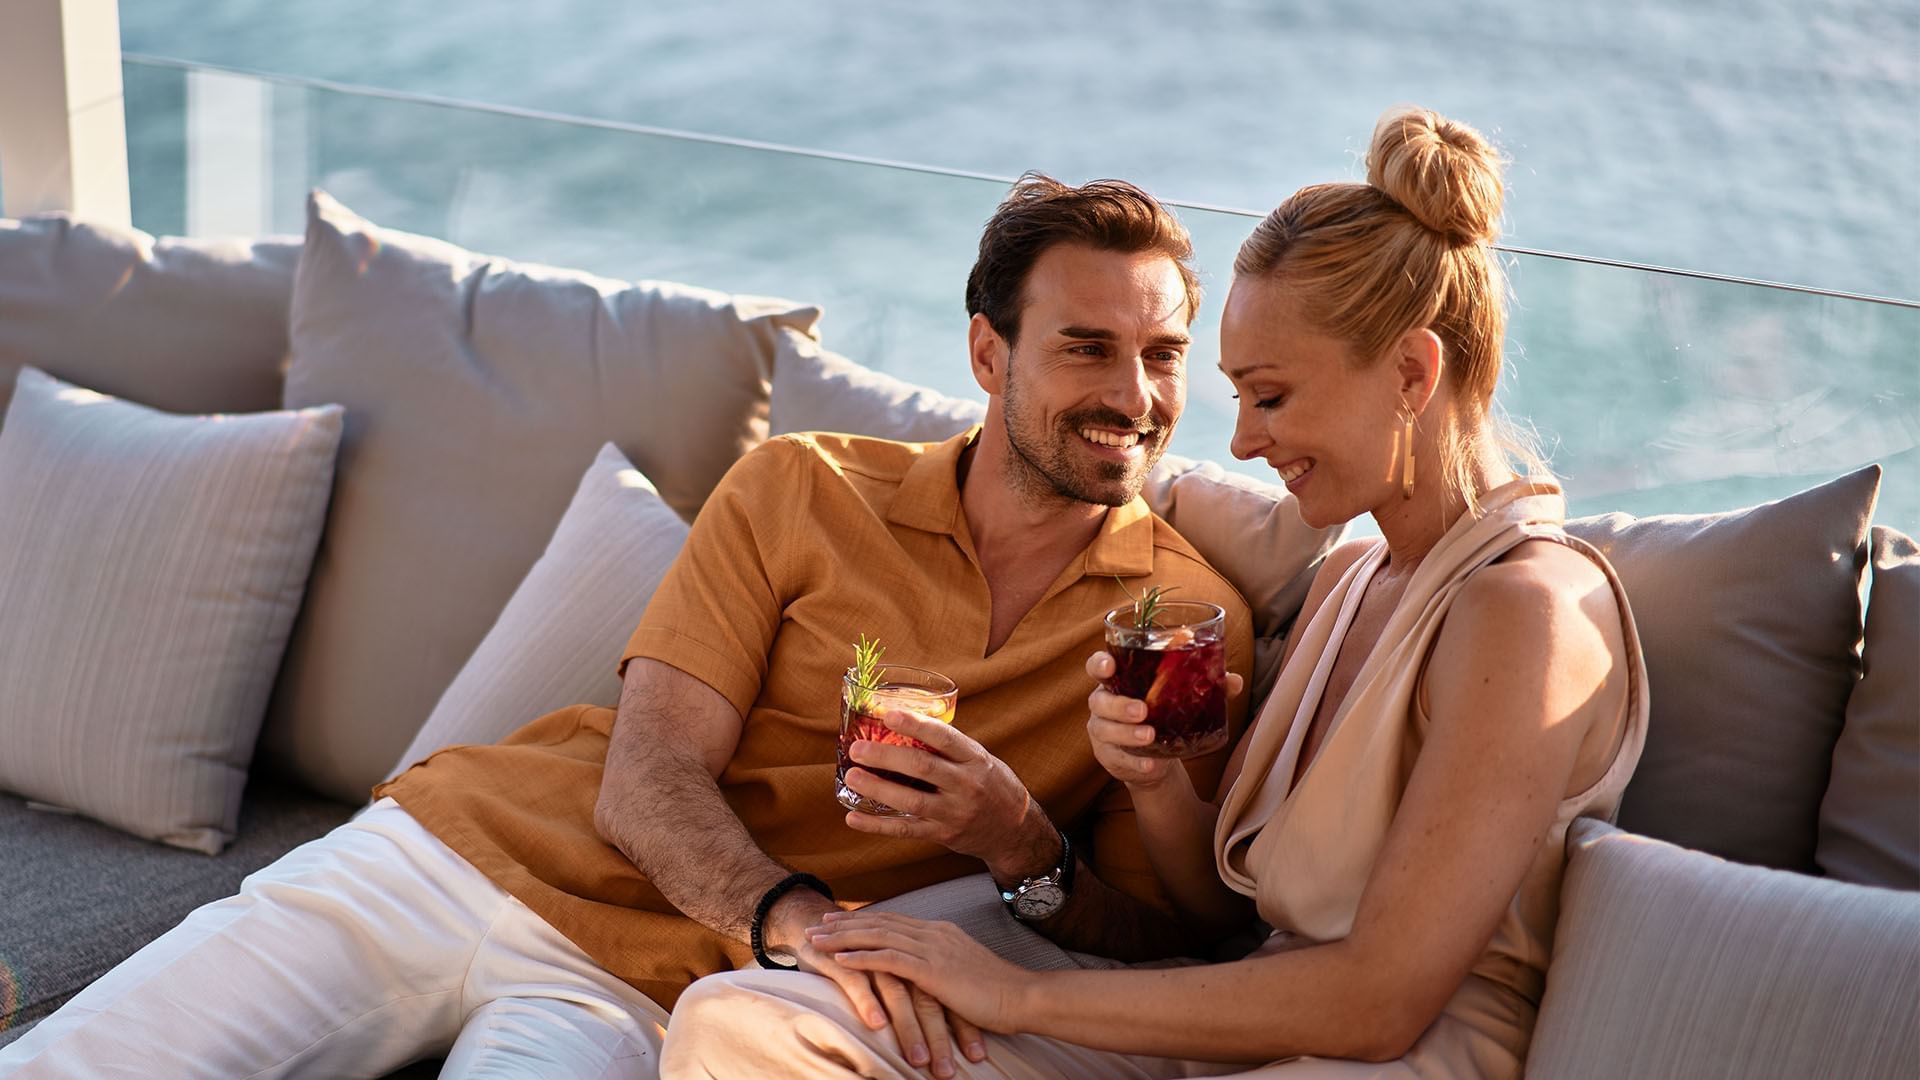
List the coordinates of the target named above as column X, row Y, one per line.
column 1249, row 436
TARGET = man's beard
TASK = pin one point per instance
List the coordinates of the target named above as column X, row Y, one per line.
column 1048, row 465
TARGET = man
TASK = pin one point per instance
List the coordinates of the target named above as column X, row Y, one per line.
column 535, row 907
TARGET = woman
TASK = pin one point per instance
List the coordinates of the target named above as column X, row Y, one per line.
column 1454, row 694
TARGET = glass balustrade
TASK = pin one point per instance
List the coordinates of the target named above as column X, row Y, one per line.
column 1650, row 391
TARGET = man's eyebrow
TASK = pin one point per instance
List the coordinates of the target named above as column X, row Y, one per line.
column 1094, row 333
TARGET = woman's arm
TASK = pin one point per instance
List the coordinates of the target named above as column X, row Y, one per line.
column 1176, row 824
column 1521, row 670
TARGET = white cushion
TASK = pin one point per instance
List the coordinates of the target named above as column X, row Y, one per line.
column 1249, row 531
column 150, row 566
column 1670, row 962
column 558, row 642
column 478, row 389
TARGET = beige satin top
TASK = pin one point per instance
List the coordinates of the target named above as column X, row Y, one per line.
column 1304, row 853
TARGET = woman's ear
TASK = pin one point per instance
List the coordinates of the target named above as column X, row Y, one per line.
column 1421, row 362
column 988, row 352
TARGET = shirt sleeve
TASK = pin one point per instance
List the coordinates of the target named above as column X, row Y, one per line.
column 717, row 610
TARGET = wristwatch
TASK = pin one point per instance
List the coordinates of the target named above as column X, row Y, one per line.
column 1040, row 897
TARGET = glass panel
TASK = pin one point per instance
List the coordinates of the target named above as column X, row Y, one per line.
column 1651, row 392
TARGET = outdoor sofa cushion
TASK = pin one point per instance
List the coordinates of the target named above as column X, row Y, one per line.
column 1669, row 962
column 478, row 390
column 1750, row 621
column 150, row 567
column 1249, row 531
column 558, row 642
column 1870, row 819
column 185, row 325
column 81, row 897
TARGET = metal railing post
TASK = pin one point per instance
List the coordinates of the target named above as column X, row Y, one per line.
column 63, row 127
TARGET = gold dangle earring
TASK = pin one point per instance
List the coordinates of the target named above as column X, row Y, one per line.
column 1406, row 459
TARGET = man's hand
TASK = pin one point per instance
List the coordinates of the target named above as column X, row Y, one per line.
column 979, row 808
column 926, row 1033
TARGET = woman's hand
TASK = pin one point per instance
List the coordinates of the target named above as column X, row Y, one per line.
column 937, row 957
column 1118, row 729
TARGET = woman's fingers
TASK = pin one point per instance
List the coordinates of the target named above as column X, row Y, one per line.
column 1234, row 683
column 1125, row 736
column 1100, row 665
column 1110, row 706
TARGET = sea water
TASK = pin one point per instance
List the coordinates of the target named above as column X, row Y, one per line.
column 1771, row 139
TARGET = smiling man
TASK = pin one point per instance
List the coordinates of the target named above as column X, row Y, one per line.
column 535, row 907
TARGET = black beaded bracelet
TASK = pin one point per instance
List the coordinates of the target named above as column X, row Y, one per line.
column 756, row 931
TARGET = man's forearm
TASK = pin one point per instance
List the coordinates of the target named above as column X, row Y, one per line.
column 667, row 815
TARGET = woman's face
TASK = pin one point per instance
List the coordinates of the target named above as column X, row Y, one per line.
column 1328, row 425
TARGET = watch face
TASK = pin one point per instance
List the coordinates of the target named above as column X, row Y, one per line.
column 1039, row 901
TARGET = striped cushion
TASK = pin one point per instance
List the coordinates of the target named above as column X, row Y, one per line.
column 1670, row 962
column 150, row 567
column 558, row 641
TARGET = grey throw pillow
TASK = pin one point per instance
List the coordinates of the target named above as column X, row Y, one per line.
column 559, row 639
column 150, row 566
column 1750, row 621
column 1870, row 820
column 478, row 389
column 1670, row 963
column 185, row 325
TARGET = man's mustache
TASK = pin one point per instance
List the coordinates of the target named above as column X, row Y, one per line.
column 1150, row 427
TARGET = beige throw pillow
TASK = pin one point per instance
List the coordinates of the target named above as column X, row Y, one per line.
column 185, row 325
column 1671, row 963
column 150, row 566
column 478, row 389
column 1750, row 620
column 1249, row 531
column 558, row 642
column 1870, row 820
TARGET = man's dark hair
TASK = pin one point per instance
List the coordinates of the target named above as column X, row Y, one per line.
column 1108, row 215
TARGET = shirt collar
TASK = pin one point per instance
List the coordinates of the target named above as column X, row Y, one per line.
column 929, row 499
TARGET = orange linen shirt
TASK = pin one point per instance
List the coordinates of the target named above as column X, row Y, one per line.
column 809, row 542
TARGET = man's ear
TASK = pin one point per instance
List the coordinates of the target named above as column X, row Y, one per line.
column 989, row 352
column 1421, row 361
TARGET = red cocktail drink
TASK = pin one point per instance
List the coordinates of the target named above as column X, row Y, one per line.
column 862, row 707
column 1177, row 665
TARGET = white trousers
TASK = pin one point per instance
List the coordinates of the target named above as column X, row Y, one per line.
column 352, row 955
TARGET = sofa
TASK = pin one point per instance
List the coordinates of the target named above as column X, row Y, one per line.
column 279, row 516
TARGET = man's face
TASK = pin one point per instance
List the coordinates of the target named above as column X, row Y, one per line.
column 1097, row 376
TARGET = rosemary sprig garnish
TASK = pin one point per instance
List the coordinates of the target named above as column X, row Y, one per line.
column 866, row 674
column 1146, row 609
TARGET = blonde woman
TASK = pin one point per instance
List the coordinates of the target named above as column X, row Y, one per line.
column 1454, row 695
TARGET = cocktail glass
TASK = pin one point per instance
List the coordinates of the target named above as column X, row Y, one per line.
column 896, row 686
column 1178, row 666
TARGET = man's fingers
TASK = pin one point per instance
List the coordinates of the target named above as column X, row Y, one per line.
column 1234, row 683
column 905, row 828
column 933, row 1025
column 858, row 986
column 945, row 739
column 880, row 789
column 906, row 1021
column 972, row 1043
column 904, row 760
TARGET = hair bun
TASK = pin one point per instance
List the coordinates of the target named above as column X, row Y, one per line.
column 1445, row 173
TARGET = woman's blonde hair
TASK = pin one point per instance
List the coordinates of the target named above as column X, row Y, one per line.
column 1410, row 248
